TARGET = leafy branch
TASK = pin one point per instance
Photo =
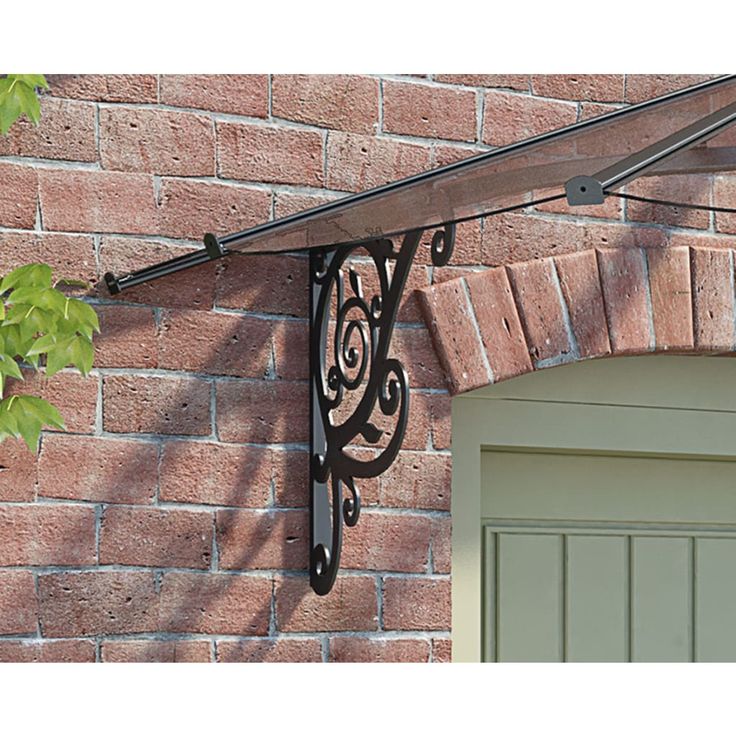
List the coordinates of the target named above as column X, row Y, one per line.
column 18, row 96
column 40, row 324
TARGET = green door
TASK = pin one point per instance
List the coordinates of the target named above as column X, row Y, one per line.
column 590, row 554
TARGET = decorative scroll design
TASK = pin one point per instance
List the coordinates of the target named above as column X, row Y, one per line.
column 354, row 368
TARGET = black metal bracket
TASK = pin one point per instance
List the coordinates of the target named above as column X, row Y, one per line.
column 353, row 366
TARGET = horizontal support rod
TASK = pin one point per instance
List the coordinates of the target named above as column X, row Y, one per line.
column 212, row 250
column 645, row 160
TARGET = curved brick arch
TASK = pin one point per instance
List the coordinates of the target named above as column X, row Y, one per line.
column 491, row 325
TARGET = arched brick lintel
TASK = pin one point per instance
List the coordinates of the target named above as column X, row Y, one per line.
column 492, row 325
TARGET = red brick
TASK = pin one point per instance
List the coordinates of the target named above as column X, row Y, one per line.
column 291, row 477
column 269, row 154
column 114, row 471
column 624, row 285
column 499, row 324
column 270, row 284
column 398, row 542
column 442, row 545
column 448, row 153
column 70, row 256
column 510, row 81
column 215, row 604
column 442, row 650
column 74, row 395
column 66, row 131
column 156, row 405
column 538, row 299
column 18, row 471
column 18, row 606
column 263, row 411
column 96, row 603
column 97, row 201
column 417, row 480
column 669, row 283
column 270, row 650
column 641, row 87
column 440, row 407
column 155, row 537
column 290, row 340
column 127, row 338
column 416, row 604
column 253, row 540
column 724, row 195
column 509, row 117
column 105, row 87
column 590, row 110
column 581, row 289
column 289, row 203
column 352, row 605
column 238, row 94
column 413, row 347
column 713, row 294
column 516, row 238
column 687, row 188
column 222, row 344
column 31, row 650
column 152, row 650
column 157, row 141
column 208, row 473
column 363, row 649
column 429, row 111
column 624, row 236
column 189, row 209
column 357, row 162
column 193, row 288
column 47, row 535
column 18, row 196
column 598, row 87
column 336, row 101
column 448, row 314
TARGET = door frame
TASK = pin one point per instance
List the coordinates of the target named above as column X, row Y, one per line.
column 634, row 392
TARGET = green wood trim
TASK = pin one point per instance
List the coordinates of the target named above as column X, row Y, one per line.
column 694, row 415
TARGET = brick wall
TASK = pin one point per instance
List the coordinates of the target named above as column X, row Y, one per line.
column 169, row 522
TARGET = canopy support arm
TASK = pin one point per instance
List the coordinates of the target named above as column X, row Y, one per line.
column 592, row 189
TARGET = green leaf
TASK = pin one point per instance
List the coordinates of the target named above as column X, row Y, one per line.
column 8, row 367
column 82, row 316
column 10, row 108
column 31, row 320
column 44, row 411
column 15, row 344
column 46, row 298
column 32, row 274
column 28, row 102
column 32, row 80
column 24, row 416
column 41, row 345
column 8, row 420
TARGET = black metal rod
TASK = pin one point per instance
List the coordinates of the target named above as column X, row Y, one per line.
column 212, row 250
column 635, row 165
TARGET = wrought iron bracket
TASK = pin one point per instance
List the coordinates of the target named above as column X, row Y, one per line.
column 349, row 343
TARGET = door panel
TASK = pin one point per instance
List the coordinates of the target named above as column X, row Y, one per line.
column 661, row 599
column 529, row 598
column 605, row 496
column 597, row 599
column 715, row 603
